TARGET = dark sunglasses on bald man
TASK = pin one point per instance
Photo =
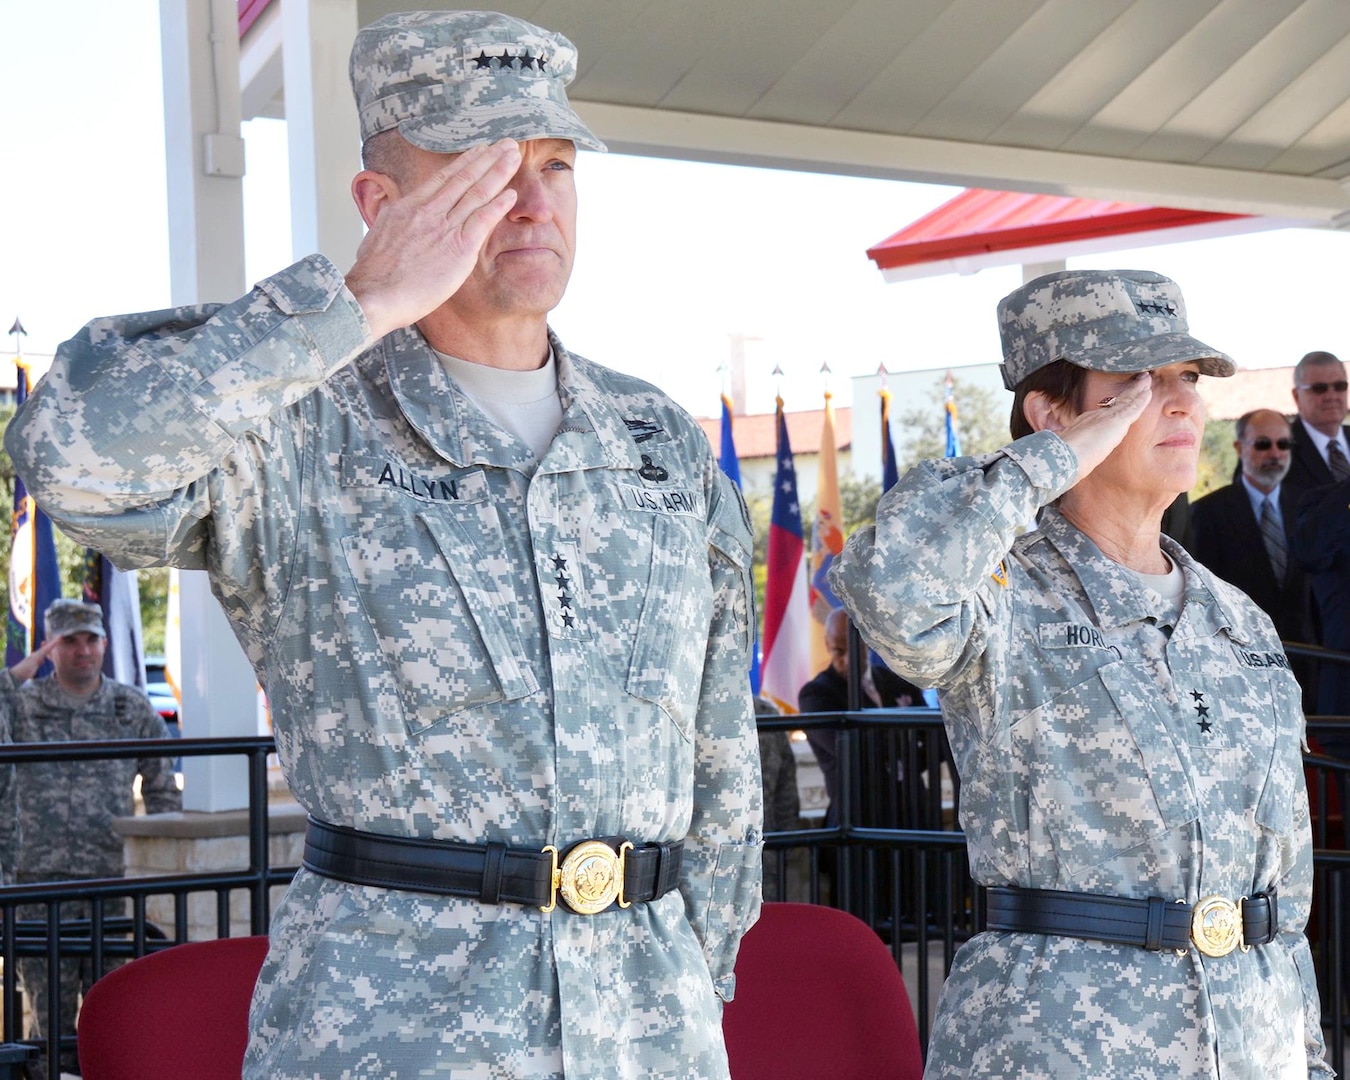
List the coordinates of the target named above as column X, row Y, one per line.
column 1262, row 443
column 1322, row 387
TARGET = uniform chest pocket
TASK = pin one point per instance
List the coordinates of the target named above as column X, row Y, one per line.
column 1103, row 771
column 443, row 638
column 669, row 651
column 1244, row 728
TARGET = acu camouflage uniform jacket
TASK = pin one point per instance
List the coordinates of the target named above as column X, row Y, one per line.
column 1100, row 752
column 458, row 641
column 65, row 808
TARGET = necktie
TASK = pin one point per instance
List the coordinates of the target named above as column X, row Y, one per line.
column 1340, row 468
column 1273, row 536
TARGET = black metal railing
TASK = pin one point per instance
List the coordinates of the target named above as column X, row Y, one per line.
column 900, row 864
column 896, row 859
column 107, row 934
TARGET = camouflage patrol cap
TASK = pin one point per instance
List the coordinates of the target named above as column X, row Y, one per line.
column 66, row 617
column 450, row 79
column 1102, row 320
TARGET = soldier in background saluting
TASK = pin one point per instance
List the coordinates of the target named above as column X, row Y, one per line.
column 63, row 810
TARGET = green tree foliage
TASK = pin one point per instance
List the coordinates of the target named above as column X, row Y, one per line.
column 1218, row 458
column 981, row 421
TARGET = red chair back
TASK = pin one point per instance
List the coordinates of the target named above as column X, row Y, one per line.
column 178, row 1013
column 818, row 995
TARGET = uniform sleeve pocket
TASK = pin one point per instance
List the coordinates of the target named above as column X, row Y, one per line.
column 666, row 666
column 732, row 547
column 733, row 907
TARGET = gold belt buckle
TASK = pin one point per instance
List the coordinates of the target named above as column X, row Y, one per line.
column 1216, row 926
column 590, row 877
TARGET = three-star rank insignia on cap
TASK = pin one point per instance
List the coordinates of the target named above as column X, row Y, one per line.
column 1155, row 307
column 1201, row 712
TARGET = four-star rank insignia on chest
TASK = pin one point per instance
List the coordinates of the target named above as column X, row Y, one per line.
column 564, row 582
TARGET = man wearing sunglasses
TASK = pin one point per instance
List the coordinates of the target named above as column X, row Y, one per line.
column 1256, row 513
column 1321, row 453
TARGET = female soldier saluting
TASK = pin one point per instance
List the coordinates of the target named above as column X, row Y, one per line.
column 1125, row 724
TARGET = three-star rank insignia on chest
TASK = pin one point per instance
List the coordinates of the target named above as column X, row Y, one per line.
column 1202, row 719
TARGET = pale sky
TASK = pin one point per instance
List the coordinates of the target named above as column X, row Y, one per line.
column 674, row 257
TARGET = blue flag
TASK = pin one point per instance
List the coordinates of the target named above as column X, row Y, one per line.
column 889, row 470
column 34, row 575
column 953, row 437
column 731, row 465
column 118, row 594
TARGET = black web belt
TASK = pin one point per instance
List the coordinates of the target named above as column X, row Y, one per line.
column 1214, row 925
column 588, row 877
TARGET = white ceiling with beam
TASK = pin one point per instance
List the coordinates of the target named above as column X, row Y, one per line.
column 1229, row 105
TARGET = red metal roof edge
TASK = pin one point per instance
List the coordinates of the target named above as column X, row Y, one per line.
column 249, row 10
column 978, row 222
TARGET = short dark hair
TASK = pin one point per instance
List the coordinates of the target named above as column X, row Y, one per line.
column 1059, row 380
column 387, row 153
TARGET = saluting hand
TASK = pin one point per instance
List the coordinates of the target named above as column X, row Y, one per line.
column 29, row 666
column 1101, row 426
column 423, row 243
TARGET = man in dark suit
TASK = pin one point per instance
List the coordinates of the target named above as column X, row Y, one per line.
column 1255, row 516
column 1321, row 452
column 1323, row 538
column 828, row 692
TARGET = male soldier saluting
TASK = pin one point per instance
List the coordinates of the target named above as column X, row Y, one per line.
column 64, row 809
column 472, row 674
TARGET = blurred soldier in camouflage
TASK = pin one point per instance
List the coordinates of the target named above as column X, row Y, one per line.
column 65, row 809
column 498, row 597
column 1125, row 723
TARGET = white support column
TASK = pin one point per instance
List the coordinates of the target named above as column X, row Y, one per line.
column 220, row 697
column 321, row 127
column 205, row 162
column 1031, row 271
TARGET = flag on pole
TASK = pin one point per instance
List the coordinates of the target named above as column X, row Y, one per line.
column 953, row 448
column 118, row 594
column 731, row 465
column 787, row 655
column 726, row 453
column 827, row 539
column 890, row 473
column 34, row 574
column 173, row 640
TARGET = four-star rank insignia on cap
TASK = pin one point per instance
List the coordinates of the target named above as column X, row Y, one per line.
column 509, row 61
